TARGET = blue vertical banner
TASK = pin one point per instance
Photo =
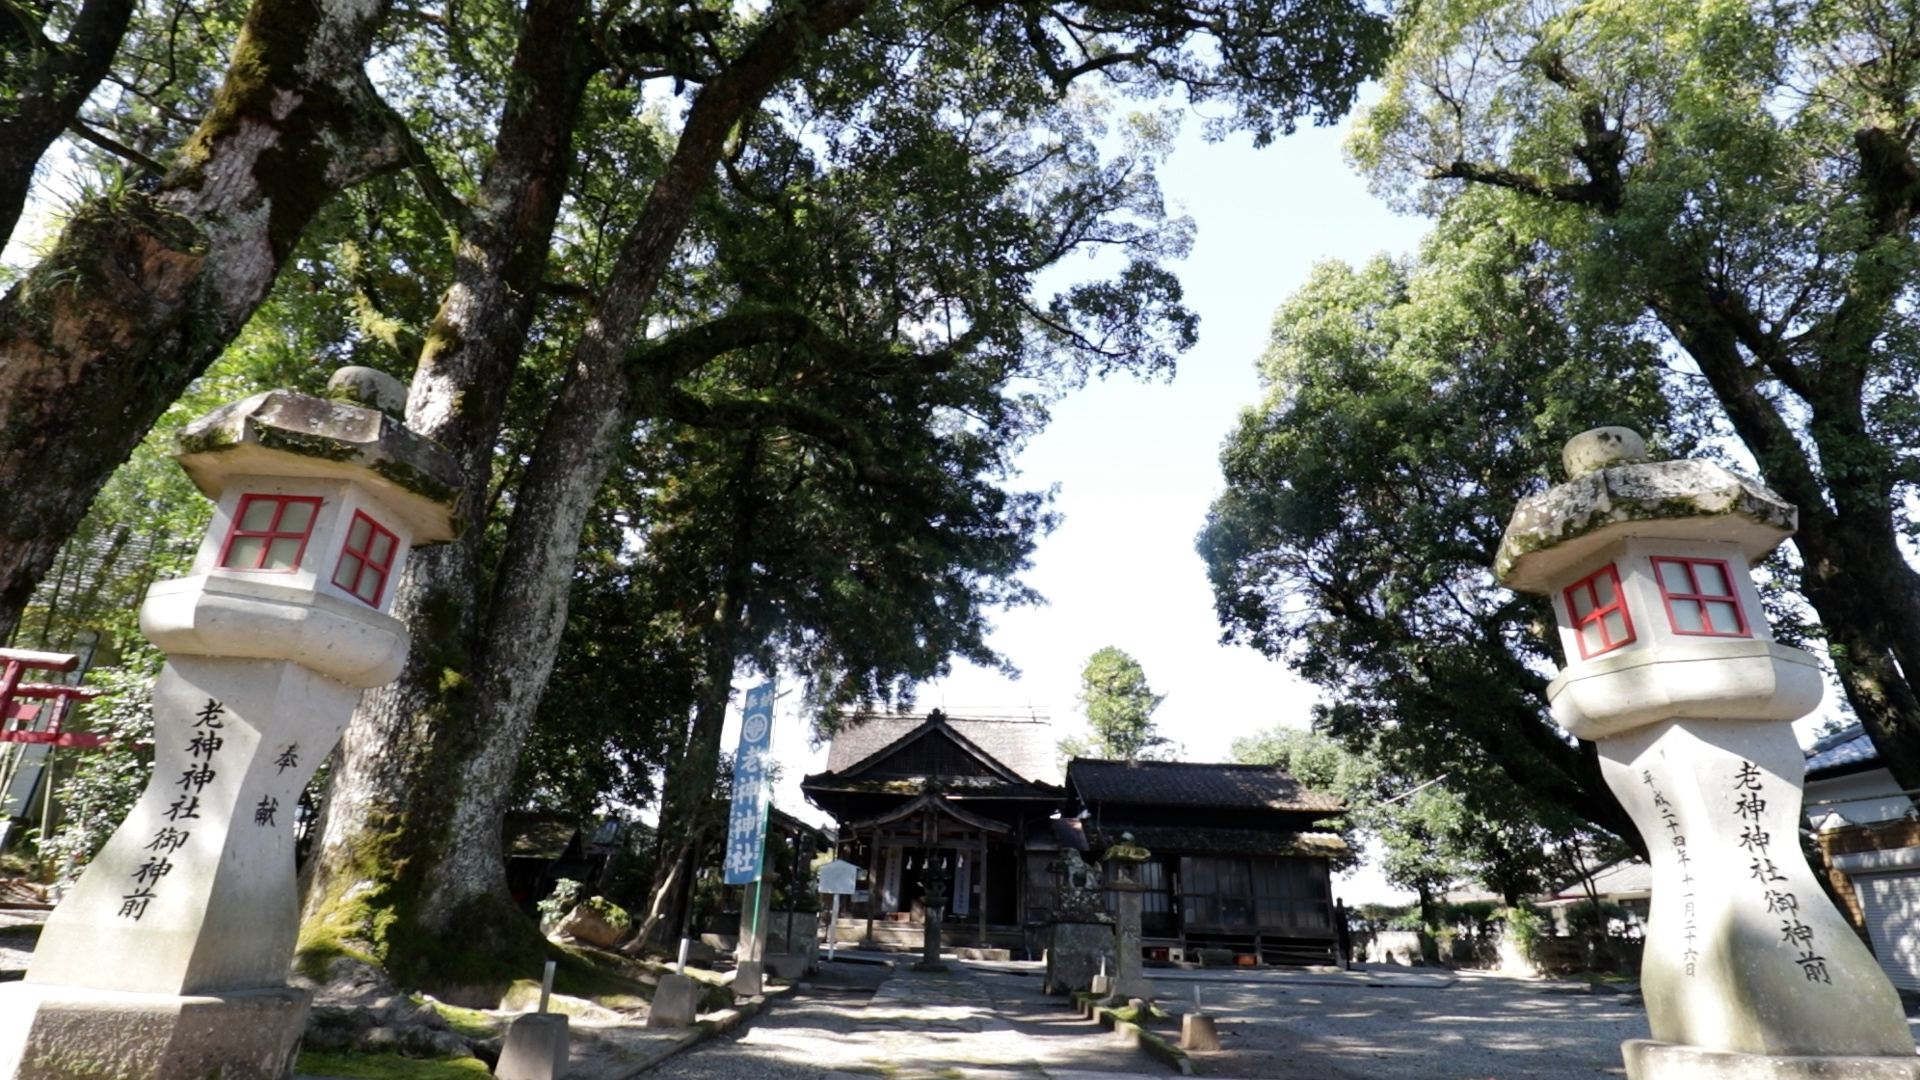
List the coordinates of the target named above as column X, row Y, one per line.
column 747, row 822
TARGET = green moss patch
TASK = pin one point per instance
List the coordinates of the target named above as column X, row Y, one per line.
column 388, row 1066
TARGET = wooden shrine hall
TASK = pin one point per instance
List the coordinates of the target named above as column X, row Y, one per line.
column 932, row 797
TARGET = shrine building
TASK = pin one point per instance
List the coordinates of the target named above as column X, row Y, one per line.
column 979, row 805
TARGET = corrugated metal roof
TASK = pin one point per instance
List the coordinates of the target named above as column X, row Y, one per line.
column 1189, row 783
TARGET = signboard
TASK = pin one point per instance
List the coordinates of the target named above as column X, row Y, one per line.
column 747, row 822
column 837, row 877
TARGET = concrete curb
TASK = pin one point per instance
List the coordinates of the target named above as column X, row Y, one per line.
column 705, row 1028
column 1153, row 1044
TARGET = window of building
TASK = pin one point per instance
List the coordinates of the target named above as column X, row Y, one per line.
column 270, row 532
column 1599, row 612
column 1700, row 597
column 365, row 559
column 1243, row 895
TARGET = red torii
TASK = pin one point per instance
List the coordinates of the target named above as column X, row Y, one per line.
column 22, row 721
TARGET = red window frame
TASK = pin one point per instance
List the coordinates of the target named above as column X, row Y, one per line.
column 1701, row 600
column 272, row 534
column 357, row 562
column 1596, row 614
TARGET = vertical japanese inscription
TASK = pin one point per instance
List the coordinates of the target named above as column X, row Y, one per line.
column 1677, row 840
column 203, row 745
column 1750, row 804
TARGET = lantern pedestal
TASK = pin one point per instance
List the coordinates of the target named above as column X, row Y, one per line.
column 1650, row 1060
column 1744, row 953
column 55, row 1031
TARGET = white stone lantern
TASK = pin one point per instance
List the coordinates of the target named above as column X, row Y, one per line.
column 1672, row 671
column 170, row 954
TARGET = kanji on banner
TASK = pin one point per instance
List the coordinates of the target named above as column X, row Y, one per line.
column 747, row 821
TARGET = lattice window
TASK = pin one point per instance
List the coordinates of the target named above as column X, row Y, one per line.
column 270, row 533
column 1599, row 611
column 1700, row 597
column 366, row 559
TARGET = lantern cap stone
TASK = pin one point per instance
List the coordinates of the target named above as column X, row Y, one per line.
column 283, row 433
column 1601, row 447
column 1553, row 533
column 370, row 387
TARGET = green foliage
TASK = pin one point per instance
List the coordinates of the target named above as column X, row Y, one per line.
column 1409, row 406
column 1732, row 186
column 1119, row 706
column 556, row 904
column 99, row 787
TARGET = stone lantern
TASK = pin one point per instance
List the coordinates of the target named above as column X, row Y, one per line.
column 169, row 956
column 1673, row 673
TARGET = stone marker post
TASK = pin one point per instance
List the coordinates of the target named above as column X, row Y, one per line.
column 934, row 900
column 1672, row 672
column 1124, row 859
column 169, row 957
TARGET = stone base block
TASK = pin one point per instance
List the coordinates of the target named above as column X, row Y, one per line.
column 1197, row 1033
column 536, row 1048
column 65, row 1033
column 787, row 965
column 1100, row 986
column 749, row 979
column 1075, row 954
column 935, row 966
column 1650, row 1060
column 676, row 1001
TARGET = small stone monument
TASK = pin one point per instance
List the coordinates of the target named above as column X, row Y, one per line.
column 1673, row 673
column 1123, row 860
column 934, row 900
column 1079, row 932
column 169, row 956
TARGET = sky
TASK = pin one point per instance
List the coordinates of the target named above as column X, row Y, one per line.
column 1137, row 464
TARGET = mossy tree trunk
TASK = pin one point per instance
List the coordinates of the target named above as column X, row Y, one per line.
column 143, row 290
column 378, row 821
column 428, row 773
column 43, row 83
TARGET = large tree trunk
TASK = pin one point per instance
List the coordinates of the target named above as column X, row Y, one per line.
column 508, row 672
column 142, row 292
column 39, row 100
column 400, row 736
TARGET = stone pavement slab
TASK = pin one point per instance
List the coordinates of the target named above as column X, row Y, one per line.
column 865, row 1021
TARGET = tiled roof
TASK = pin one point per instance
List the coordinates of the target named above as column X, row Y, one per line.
column 1184, row 783
column 1024, row 746
column 1171, row 840
column 1845, row 750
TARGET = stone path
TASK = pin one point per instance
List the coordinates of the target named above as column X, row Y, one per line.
column 860, row 1020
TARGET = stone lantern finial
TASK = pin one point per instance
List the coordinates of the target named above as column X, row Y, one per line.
column 1600, row 447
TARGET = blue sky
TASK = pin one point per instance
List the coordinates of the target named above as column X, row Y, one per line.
column 1137, row 465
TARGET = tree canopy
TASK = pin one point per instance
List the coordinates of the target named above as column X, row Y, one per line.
column 1119, row 707
column 1409, row 406
column 1735, row 186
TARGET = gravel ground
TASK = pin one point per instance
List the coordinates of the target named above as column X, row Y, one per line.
column 966, row 1025
column 1469, row 1027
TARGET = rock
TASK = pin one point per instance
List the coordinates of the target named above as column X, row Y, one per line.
column 380, row 1038
column 583, row 923
column 370, row 387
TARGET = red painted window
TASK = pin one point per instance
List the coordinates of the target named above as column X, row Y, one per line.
column 270, row 532
column 366, row 559
column 1600, row 618
column 1700, row 597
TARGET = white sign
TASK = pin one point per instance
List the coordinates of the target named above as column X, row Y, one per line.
column 837, row 877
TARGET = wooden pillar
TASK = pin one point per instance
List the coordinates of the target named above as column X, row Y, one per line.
column 873, row 880
column 982, row 875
